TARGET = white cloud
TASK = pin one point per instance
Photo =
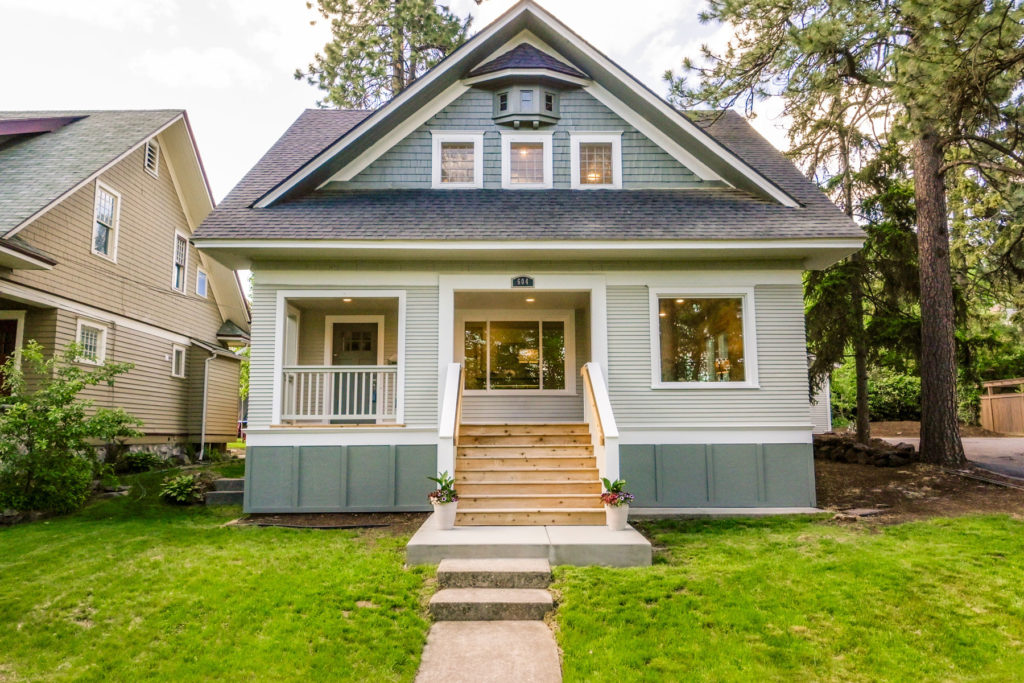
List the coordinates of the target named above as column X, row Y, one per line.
column 109, row 14
column 214, row 67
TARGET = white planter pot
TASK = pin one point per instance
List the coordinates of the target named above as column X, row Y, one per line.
column 444, row 514
column 616, row 516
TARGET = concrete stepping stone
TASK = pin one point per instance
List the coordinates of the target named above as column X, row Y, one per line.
column 490, row 604
column 494, row 573
column 490, row 652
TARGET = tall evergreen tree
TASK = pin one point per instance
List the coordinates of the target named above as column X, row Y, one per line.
column 945, row 75
column 379, row 47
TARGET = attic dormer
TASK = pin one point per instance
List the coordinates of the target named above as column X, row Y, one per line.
column 526, row 84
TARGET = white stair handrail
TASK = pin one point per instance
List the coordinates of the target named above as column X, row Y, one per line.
column 603, row 430
column 448, row 426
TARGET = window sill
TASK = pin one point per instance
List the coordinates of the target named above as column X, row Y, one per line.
column 88, row 361
column 704, row 386
column 105, row 257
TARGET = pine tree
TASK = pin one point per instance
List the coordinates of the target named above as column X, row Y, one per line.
column 944, row 75
column 379, row 47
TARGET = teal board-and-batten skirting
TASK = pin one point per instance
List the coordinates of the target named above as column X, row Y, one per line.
column 339, row 478
column 719, row 475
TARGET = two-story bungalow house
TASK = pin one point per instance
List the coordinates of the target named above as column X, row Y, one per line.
column 97, row 210
column 532, row 271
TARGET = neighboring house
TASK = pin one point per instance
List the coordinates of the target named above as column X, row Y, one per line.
column 617, row 284
column 97, row 210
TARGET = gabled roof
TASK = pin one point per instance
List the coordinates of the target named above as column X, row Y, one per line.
column 705, row 214
column 38, row 170
column 526, row 56
column 650, row 113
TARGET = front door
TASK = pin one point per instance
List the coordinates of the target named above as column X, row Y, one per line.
column 354, row 393
column 8, row 344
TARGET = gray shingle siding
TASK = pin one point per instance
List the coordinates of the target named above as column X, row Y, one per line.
column 407, row 165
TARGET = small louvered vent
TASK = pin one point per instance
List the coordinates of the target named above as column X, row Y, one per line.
column 153, row 157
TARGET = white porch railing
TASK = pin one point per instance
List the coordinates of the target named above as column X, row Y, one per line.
column 451, row 417
column 597, row 409
column 340, row 392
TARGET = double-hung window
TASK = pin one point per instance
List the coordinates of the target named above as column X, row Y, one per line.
column 177, row 361
column 703, row 339
column 180, row 262
column 91, row 338
column 106, row 214
column 526, row 160
column 457, row 160
column 596, row 161
column 202, row 283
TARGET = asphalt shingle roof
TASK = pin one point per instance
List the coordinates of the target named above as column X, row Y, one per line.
column 686, row 214
column 36, row 170
column 526, row 56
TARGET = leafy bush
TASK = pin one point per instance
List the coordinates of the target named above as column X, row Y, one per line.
column 891, row 395
column 47, row 460
column 138, row 461
column 184, row 489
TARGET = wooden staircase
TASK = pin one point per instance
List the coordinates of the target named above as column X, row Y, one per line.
column 527, row 474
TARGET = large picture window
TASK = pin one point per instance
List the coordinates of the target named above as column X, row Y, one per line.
column 517, row 355
column 703, row 340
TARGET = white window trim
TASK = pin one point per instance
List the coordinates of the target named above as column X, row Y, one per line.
column 574, row 142
column 115, row 229
column 507, row 138
column 565, row 316
column 19, row 332
column 200, row 271
column 749, row 335
column 101, row 343
column 155, row 172
column 329, row 336
column 477, row 138
column 174, row 250
column 184, row 360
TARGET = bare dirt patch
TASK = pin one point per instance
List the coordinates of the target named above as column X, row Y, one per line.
column 389, row 523
column 913, row 429
column 913, row 492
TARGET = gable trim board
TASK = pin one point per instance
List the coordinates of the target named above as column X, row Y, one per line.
column 316, row 171
column 18, row 259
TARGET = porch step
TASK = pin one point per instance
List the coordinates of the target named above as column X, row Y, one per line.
column 530, row 517
column 493, row 451
column 537, row 461
column 523, row 474
column 523, row 429
column 494, row 573
column 529, row 500
column 556, row 439
column 229, row 484
column 226, row 492
column 490, row 604
column 498, row 486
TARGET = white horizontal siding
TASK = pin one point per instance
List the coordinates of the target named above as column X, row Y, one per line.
column 782, row 367
column 499, row 409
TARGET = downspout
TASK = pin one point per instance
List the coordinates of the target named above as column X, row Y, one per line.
column 206, row 389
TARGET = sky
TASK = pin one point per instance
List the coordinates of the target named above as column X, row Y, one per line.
column 230, row 63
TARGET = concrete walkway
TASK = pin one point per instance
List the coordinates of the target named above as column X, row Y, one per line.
column 490, row 652
column 1003, row 455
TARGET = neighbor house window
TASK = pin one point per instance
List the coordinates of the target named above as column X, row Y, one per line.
column 92, row 342
column 703, row 339
column 202, row 283
column 178, row 361
column 458, row 160
column 106, row 216
column 526, row 160
column 152, row 158
column 180, row 262
column 596, row 160
column 517, row 355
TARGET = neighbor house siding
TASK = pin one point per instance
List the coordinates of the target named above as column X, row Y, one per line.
column 138, row 285
column 408, row 163
column 782, row 368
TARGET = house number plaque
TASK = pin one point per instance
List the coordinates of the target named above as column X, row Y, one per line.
column 522, row 281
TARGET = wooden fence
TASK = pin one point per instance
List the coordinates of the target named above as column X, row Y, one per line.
column 1002, row 406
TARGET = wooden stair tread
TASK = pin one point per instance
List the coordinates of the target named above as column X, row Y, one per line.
column 528, row 495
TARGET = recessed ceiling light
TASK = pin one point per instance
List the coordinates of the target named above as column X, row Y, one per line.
column 348, row 301
column 530, row 300
column 679, row 301
column 663, row 314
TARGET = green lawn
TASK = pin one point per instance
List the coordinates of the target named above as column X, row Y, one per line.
column 132, row 589
column 791, row 599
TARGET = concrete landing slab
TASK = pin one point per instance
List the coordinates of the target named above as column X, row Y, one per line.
column 490, row 652
column 571, row 545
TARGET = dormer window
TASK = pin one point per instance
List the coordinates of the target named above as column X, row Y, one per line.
column 503, row 102
column 527, row 105
column 549, row 102
column 457, row 160
column 596, row 161
column 526, row 101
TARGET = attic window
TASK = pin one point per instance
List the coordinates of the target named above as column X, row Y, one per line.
column 106, row 214
column 457, row 160
column 596, row 160
column 526, row 161
column 180, row 262
column 153, row 157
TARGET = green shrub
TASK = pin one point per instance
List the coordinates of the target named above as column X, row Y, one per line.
column 138, row 461
column 891, row 395
column 47, row 456
column 184, row 489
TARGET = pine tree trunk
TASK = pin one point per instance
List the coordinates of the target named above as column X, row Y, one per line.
column 940, row 433
column 860, row 353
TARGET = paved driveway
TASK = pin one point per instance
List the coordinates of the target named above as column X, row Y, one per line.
column 1004, row 455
